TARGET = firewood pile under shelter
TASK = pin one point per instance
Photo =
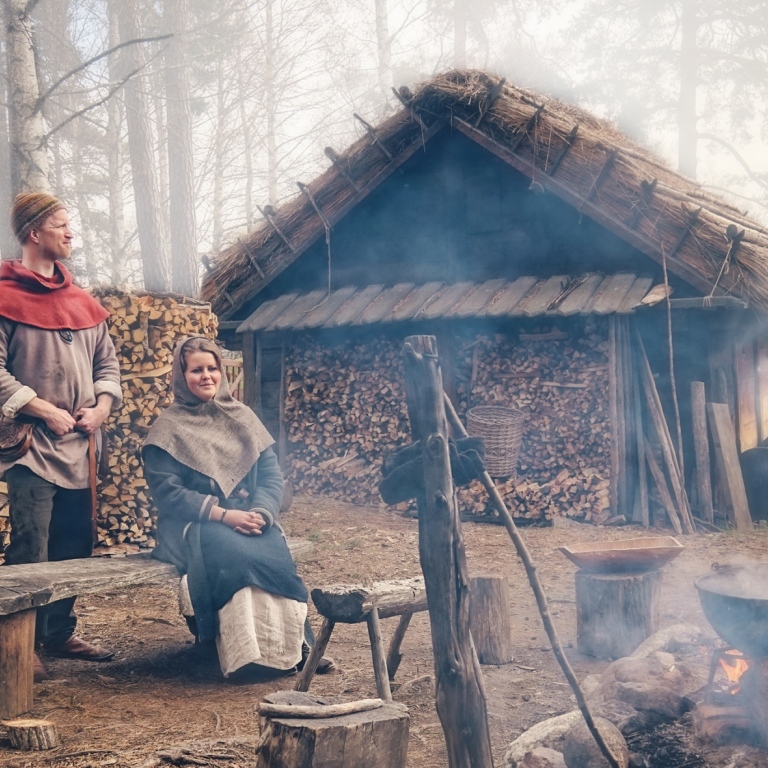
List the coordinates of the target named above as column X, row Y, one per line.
column 560, row 265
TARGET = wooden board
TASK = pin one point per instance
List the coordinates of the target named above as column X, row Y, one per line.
column 390, row 299
column 729, row 469
column 36, row 584
column 746, row 395
column 762, row 385
column 473, row 304
column 510, row 297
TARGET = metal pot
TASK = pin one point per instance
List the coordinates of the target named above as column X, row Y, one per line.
column 735, row 600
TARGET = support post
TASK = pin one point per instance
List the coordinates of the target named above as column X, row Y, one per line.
column 461, row 704
column 17, row 647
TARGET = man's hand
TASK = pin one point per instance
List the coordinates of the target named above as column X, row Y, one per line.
column 58, row 421
column 88, row 420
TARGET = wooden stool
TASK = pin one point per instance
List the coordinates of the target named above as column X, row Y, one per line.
column 341, row 603
column 615, row 612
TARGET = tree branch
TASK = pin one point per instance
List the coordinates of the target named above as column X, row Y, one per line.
column 98, row 103
column 727, row 145
column 93, row 60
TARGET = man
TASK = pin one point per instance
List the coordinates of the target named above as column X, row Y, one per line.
column 57, row 367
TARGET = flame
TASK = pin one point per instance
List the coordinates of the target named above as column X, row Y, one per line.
column 734, row 668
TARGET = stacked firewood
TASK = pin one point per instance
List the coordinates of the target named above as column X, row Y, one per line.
column 145, row 329
column 345, row 410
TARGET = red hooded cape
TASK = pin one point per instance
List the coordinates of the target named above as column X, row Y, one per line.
column 52, row 303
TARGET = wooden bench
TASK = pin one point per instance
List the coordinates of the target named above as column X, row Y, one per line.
column 25, row 588
column 342, row 603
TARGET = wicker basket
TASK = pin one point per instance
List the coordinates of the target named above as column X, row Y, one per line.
column 502, row 430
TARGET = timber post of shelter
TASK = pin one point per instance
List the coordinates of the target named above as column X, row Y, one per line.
column 460, row 694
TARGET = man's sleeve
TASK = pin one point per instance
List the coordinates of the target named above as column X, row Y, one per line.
column 13, row 394
column 106, row 369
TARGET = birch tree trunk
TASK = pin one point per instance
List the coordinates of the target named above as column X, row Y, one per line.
column 181, row 181
column 28, row 152
column 8, row 245
column 114, row 143
column 384, row 49
column 459, row 34
column 270, row 93
column 147, row 199
column 218, row 162
column 687, row 132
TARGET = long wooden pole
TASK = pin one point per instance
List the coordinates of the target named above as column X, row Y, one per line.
column 538, row 592
column 460, row 694
column 701, row 449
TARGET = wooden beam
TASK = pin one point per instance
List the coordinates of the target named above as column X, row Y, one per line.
column 266, row 212
column 647, row 188
column 762, row 384
column 701, row 449
column 493, row 93
column 592, row 210
column 408, row 104
column 336, row 160
column 369, row 129
column 746, row 395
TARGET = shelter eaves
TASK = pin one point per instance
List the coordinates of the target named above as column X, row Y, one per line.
column 561, row 149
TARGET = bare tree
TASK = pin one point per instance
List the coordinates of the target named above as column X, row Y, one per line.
column 28, row 151
column 140, row 144
column 181, row 185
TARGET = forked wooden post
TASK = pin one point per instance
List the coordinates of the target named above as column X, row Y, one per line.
column 461, row 704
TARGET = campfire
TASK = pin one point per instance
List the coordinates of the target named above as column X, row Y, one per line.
column 735, row 705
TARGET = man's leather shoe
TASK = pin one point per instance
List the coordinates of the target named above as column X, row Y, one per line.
column 39, row 673
column 77, row 648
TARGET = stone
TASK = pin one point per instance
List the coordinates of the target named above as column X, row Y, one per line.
column 580, row 749
column 670, row 639
column 542, row 757
column 548, row 733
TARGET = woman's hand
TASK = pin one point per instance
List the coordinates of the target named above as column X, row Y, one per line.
column 248, row 523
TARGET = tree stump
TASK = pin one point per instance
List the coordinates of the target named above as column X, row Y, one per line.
column 377, row 738
column 489, row 619
column 615, row 612
column 32, row 734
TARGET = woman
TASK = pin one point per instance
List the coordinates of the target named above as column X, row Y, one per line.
column 218, row 487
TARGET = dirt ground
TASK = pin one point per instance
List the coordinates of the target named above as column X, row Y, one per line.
column 160, row 691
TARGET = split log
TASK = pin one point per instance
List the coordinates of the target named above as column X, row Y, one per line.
column 701, row 449
column 345, row 410
column 489, row 619
column 17, row 642
column 615, row 612
column 376, row 738
column 351, row 603
column 32, row 735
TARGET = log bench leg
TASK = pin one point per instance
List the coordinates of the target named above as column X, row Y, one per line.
column 394, row 657
column 318, row 649
column 17, row 648
column 377, row 652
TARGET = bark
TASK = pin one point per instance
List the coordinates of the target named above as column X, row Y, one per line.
column 28, row 151
column 181, row 182
column 270, row 93
column 384, row 48
column 687, row 135
column 460, row 695
column 145, row 187
column 114, row 144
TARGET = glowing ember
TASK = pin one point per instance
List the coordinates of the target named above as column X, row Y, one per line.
column 734, row 667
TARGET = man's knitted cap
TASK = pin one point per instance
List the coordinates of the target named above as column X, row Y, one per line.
column 30, row 209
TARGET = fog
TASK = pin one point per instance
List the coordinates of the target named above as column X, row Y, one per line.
column 167, row 125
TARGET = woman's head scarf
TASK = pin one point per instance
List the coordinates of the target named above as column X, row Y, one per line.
column 221, row 438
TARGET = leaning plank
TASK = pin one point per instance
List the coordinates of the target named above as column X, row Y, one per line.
column 724, row 442
column 701, row 448
column 350, row 604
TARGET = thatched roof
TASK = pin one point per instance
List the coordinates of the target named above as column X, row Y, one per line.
column 562, row 149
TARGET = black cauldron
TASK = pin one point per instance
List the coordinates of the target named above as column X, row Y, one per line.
column 735, row 600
